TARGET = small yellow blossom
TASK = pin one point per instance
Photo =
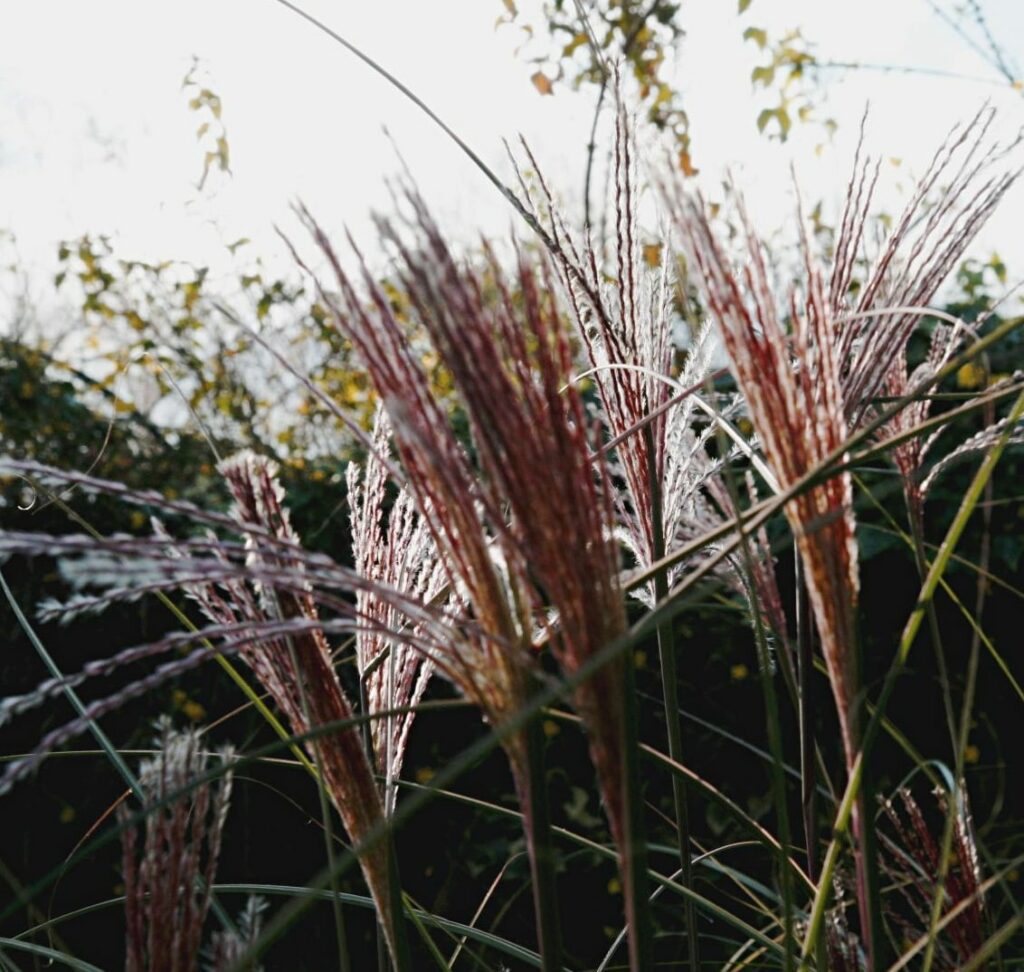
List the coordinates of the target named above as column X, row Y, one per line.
column 194, row 711
column 970, row 376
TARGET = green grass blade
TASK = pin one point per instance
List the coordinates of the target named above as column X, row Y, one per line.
column 51, row 955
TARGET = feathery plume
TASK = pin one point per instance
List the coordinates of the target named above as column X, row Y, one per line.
column 296, row 669
column 228, row 948
column 167, row 887
column 876, row 317
column 911, row 859
column 874, row 321
column 625, row 325
column 401, row 555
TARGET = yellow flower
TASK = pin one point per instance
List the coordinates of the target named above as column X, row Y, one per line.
column 970, row 376
column 194, row 711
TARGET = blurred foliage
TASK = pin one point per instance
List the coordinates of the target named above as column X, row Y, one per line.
column 580, row 43
column 211, row 133
column 639, row 34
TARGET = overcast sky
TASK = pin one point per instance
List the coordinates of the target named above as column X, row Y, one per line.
column 96, row 136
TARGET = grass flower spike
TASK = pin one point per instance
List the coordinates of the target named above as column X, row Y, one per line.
column 167, row 885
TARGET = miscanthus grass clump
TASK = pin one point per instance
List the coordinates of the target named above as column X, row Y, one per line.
column 615, row 434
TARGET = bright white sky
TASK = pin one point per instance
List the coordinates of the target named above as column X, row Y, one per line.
column 95, row 134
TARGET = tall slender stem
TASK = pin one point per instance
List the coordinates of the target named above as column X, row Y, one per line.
column 963, row 732
column 542, row 852
column 670, row 693
column 773, row 724
column 403, row 955
column 341, row 941
column 805, row 668
column 915, row 511
column 634, row 845
column 866, row 869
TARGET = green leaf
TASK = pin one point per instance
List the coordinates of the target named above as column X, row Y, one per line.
column 764, row 117
column 758, row 35
column 764, row 74
column 785, row 124
column 744, row 4
column 873, row 540
column 51, row 955
column 1008, row 550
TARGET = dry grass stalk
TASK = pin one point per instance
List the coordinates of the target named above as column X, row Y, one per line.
column 528, row 530
column 297, row 670
column 790, row 379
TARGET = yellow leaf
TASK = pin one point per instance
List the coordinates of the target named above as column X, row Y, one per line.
column 652, row 254
column 578, row 41
column 542, row 83
column 686, row 164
